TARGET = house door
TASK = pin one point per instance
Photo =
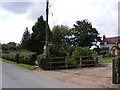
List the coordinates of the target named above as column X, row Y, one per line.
column 113, row 51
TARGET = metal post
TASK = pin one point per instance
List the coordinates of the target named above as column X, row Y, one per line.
column 46, row 29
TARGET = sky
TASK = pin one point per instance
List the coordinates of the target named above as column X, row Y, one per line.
column 16, row 15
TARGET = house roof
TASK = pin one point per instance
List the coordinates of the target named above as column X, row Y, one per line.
column 110, row 40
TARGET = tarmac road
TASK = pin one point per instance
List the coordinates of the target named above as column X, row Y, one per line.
column 16, row 77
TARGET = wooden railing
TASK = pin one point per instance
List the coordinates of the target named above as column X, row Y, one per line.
column 67, row 62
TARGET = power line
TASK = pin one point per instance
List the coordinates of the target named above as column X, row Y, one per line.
column 53, row 3
column 52, row 16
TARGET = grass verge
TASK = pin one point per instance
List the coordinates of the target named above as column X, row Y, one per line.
column 29, row 67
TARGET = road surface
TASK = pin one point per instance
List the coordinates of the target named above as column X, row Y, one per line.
column 16, row 77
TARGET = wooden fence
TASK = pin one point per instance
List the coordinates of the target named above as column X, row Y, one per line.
column 68, row 62
column 116, row 71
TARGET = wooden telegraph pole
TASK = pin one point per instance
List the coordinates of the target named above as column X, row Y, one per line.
column 46, row 30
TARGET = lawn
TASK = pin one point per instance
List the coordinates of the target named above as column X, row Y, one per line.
column 29, row 67
column 107, row 59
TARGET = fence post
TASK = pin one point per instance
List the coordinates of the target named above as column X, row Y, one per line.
column 50, row 64
column 80, row 61
column 113, row 71
column 66, row 61
column 94, row 59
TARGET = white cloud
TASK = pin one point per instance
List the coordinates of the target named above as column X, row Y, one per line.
column 102, row 13
column 12, row 28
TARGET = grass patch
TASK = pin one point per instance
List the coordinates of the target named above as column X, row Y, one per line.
column 29, row 67
column 107, row 59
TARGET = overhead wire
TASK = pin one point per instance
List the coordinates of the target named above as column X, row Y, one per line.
column 52, row 11
column 52, row 16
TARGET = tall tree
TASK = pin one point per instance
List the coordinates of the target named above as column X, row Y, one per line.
column 25, row 42
column 84, row 34
column 60, row 35
column 60, row 40
column 38, row 36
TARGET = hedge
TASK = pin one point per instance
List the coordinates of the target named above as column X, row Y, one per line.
column 24, row 57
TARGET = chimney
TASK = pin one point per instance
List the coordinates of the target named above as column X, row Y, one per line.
column 104, row 37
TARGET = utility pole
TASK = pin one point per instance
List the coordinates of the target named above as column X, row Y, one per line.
column 46, row 30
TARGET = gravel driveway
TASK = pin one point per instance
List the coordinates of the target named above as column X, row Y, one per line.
column 92, row 77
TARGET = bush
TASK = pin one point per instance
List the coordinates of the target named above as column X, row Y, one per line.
column 27, row 57
column 56, row 51
column 24, row 57
column 13, row 56
column 41, row 61
column 73, row 61
column 80, row 51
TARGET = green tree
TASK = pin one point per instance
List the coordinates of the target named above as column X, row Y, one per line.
column 25, row 42
column 60, row 35
column 60, row 40
column 9, row 46
column 38, row 36
column 84, row 34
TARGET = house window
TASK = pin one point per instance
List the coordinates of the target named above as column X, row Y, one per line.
column 116, row 42
column 105, row 43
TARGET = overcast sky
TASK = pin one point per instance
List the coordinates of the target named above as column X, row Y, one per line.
column 16, row 15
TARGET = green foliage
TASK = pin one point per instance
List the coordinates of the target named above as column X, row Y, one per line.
column 37, row 41
column 70, row 50
column 25, row 42
column 41, row 61
column 56, row 51
column 60, row 36
column 7, row 51
column 80, row 51
column 106, row 54
column 60, row 41
column 84, row 34
column 25, row 57
column 86, row 54
column 73, row 61
column 103, row 53
column 9, row 46
column 98, row 50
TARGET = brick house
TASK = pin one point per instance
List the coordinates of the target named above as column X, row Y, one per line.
column 111, row 44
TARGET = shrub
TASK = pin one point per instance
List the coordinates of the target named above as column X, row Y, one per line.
column 27, row 57
column 80, row 51
column 83, row 51
column 41, row 61
column 56, row 51
column 73, row 61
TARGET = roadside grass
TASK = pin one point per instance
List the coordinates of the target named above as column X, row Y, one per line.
column 107, row 59
column 29, row 67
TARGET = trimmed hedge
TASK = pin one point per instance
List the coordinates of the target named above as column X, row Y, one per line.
column 24, row 57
